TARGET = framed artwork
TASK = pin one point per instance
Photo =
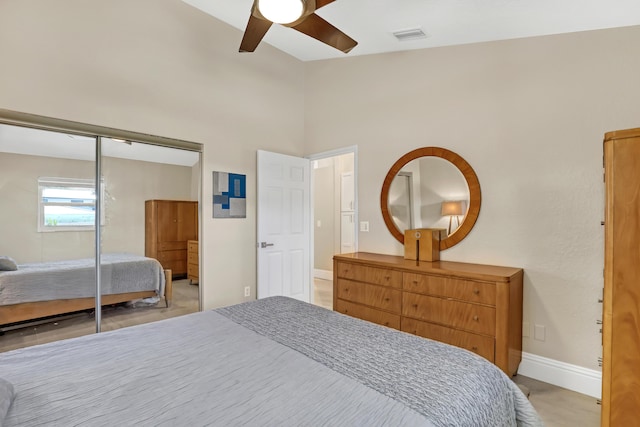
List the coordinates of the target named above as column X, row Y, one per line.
column 229, row 195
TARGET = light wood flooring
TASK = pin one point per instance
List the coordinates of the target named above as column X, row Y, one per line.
column 558, row 407
column 185, row 301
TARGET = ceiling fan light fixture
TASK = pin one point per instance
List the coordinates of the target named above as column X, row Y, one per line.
column 281, row 11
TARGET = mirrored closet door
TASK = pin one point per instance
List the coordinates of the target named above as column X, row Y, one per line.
column 47, row 201
column 71, row 202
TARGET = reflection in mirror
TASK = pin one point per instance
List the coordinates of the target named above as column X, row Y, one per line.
column 431, row 187
column 48, row 203
column 428, row 192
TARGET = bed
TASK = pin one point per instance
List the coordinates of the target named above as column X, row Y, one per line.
column 275, row 361
column 37, row 290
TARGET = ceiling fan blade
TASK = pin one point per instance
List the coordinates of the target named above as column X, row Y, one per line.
column 256, row 29
column 316, row 27
column 320, row 3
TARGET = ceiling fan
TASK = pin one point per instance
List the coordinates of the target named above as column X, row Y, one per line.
column 297, row 14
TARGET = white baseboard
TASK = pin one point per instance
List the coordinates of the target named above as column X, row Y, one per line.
column 565, row 375
column 323, row 274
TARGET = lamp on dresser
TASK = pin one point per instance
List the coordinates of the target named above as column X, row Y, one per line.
column 452, row 209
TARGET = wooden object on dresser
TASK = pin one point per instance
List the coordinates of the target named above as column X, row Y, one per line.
column 621, row 315
column 477, row 307
column 169, row 224
column 193, row 261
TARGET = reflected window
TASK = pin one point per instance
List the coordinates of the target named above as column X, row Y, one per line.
column 67, row 204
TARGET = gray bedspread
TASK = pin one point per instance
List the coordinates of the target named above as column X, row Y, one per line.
column 271, row 362
column 121, row 273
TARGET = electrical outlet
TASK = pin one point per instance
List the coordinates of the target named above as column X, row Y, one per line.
column 539, row 332
column 247, row 291
column 364, row 226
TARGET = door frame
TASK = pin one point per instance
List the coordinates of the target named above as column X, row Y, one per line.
column 324, row 155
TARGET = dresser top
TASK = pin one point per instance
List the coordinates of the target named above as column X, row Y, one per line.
column 460, row 269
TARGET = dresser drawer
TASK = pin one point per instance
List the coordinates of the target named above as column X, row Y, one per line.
column 192, row 246
column 192, row 258
column 479, row 344
column 177, row 267
column 172, row 245
column 451, row 287
column 369, row 314
column 164, row 256
column 378, row 276
column 192, row 271
column 382, row 297
column 460, row 315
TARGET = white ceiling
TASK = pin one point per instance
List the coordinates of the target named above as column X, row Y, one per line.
column 447, row 22
column 35, row 142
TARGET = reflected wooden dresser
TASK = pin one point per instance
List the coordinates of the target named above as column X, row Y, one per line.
column 193, row 261
column 621, row 302
column 473, row 306
column 169, row 224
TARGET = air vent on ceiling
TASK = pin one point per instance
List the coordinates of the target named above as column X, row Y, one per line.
column 411, row 34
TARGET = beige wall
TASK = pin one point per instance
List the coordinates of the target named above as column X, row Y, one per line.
column 128, row 184
column 324, row 211
column 327, row 208
column 165, row 68
column 529, row 115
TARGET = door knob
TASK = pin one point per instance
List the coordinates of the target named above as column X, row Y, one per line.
column 265, row 244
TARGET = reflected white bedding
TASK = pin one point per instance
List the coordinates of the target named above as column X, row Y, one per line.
column 56, row 280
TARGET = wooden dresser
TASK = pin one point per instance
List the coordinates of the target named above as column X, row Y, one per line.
column 621, row 302
column 193, row 261
column 477, row 307
column 169, row 224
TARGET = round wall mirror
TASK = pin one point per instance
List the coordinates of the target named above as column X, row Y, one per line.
column 431, row 187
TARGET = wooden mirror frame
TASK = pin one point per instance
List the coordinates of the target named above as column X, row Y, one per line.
column 469, row 175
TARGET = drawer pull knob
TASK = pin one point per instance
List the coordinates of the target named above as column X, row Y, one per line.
column 386, row 323
column 387, row 277
column 474, row 348
column 476, row 318
column 415, row 305
column 386, row 299
column 415, row 282
column 476, row 291
column 346, row 289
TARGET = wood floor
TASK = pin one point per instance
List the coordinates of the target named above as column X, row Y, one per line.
column 185, row 301
column 558, row 407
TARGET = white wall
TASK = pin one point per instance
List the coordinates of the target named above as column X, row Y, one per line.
column 164, row 68
column 128, row 184
column 529, row 115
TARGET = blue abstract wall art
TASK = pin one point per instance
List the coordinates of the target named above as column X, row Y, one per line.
column 229, row 195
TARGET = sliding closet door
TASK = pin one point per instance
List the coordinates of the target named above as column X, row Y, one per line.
column 135, row 174
column 48, row 209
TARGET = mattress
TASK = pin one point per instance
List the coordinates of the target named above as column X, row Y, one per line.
column 120, row 273
column 275, row 361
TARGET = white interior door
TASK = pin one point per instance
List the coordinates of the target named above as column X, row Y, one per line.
column 283, row 226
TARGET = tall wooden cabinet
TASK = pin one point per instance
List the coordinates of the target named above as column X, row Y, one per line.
column 169, row 224
column 473, row 306
column 621, row 302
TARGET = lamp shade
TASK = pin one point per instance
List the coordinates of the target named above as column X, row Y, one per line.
column 452, row 208
column 281, row 11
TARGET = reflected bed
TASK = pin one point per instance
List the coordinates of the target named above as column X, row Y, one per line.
column 39, row 290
